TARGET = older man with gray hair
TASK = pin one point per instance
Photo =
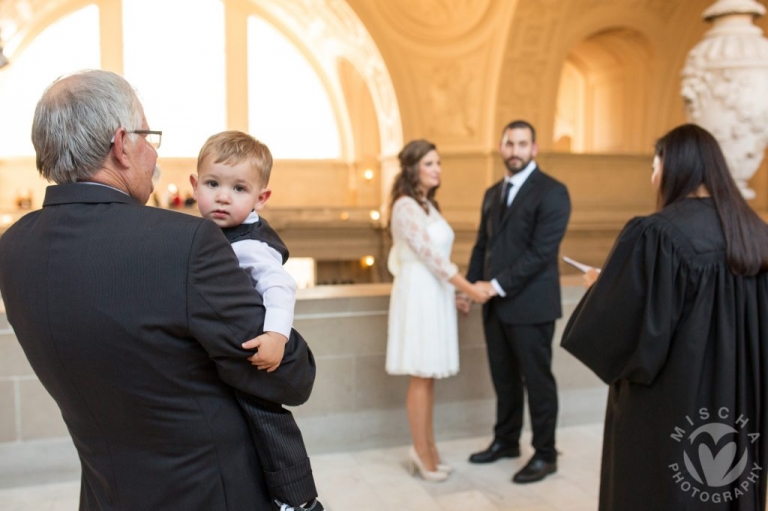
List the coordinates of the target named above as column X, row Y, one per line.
column 133, row 317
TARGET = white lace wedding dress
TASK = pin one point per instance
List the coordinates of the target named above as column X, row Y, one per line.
column 422, row 339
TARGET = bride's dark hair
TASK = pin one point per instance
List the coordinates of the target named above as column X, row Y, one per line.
column 407, row 181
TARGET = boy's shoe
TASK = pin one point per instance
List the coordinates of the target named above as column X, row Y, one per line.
column 315, row 505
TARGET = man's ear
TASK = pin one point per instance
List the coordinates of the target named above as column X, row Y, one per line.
column 118, row 147
column 264, row 196
column 534, row 150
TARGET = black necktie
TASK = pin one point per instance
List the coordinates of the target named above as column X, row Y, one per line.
column 505, row 199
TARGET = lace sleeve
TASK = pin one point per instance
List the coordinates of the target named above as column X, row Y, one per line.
column 409, row 225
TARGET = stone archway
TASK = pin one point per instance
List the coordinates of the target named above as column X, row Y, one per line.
column 603, row 94
column 543, row 32
column 330, row 28
column 333, row 31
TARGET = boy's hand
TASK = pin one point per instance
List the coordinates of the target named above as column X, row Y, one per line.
column 271, row 346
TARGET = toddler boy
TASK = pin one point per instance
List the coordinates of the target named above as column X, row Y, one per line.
column 230, row 187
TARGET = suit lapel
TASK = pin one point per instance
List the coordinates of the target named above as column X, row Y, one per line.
column 495, row 205
column 522, row 195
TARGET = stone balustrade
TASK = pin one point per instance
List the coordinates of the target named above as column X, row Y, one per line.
column 355, row 404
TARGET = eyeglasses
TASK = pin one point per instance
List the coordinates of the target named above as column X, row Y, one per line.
column 153, row 137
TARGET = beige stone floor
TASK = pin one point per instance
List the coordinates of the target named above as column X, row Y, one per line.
column 378, row 480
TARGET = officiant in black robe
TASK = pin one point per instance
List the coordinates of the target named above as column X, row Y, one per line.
column 677, row 324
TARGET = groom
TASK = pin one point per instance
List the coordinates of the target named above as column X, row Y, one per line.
column 523, row 221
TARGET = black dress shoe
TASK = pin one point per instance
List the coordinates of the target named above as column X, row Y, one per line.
column 535, row 470
column 494, row 452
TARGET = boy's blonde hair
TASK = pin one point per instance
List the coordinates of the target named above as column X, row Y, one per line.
column 233, row 147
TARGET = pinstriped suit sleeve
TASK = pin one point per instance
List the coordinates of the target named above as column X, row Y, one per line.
column 223, row 311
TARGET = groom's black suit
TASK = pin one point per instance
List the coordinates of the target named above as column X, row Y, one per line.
column 518, row 246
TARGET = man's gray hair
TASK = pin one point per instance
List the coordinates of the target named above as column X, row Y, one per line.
column 75, row 121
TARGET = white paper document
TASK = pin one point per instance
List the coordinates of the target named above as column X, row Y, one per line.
column 581, row 266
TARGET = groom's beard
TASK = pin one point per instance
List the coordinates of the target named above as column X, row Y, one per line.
column 515, row 164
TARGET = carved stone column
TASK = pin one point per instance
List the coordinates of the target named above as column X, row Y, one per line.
column 725, row 85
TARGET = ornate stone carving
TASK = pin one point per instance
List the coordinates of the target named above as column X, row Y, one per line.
column 524, row 69
column 453, row 99
column 661, row 8
column 724, row 82
column 539, row 30
column 15, row 13
column 330, row 27
column 434, row 20
column 333, row 30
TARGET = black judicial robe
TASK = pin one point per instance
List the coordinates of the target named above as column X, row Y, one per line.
column 683, row 344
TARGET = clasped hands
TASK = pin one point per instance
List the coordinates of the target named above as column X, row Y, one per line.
column 480, row 292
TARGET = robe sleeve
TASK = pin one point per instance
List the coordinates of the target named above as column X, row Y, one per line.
column 624, row 324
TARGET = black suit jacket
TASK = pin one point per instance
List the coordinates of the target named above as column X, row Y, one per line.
column 520, row 249
column 132, row 317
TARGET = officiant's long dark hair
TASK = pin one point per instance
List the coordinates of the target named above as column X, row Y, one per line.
column 407, row 181
column 690, row 157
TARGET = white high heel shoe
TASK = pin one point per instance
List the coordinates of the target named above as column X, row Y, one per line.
column 445, row 467
column 416, row 466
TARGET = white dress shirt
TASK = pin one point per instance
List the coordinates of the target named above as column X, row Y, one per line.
column 264, row 265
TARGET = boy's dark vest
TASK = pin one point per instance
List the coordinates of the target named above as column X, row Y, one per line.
column 259, row 231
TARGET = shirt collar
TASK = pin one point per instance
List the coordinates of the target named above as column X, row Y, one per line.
column 102, row 184
column 252, row 218
column 519, row 178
